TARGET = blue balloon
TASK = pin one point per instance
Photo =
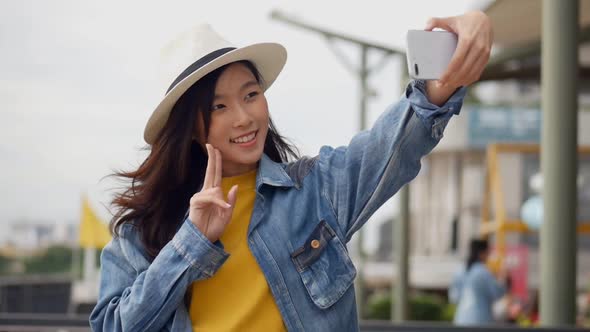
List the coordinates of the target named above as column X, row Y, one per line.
column 532, row 212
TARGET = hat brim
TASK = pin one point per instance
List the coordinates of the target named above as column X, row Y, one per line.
column 269, row 59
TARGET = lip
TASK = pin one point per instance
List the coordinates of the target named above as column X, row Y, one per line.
column 247, row 144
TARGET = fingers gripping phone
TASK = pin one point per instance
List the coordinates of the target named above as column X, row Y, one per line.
column 429, row 53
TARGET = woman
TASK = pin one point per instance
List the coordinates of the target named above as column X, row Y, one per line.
column 262, row 245
column 476, row 289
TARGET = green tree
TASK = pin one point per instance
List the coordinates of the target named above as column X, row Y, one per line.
column 56, row 259
column 5, row 264
column 423, row 307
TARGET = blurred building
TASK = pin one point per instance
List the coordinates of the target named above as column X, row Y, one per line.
column 30, row 237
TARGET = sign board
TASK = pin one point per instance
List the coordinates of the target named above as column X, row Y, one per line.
column 502, row 124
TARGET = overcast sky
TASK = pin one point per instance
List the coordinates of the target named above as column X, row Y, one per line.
column 80, row 78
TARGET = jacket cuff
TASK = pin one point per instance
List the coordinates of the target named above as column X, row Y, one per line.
column 204, row 256
column 432, row 116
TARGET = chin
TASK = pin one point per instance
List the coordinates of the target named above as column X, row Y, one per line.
column 254, row 159
column 250, row 158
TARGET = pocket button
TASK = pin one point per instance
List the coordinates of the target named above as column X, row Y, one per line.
column 315, row 244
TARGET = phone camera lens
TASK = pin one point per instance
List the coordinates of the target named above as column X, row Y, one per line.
column 416, row 71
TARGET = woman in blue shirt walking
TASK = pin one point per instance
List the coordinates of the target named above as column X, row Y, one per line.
column 476, row 289
column 223, row 227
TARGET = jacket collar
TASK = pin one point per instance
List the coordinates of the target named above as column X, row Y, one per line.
column 272, row 173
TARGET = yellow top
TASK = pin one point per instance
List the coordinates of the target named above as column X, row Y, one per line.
column 237, row 297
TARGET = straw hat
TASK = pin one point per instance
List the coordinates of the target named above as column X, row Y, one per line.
column 208, row 51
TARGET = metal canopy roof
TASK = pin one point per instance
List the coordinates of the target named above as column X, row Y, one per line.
column 517, row 38
column 519, row 22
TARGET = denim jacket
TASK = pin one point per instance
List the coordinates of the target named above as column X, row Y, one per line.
column 325, row 198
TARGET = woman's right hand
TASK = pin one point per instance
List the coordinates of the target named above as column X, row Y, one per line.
column 209, row 211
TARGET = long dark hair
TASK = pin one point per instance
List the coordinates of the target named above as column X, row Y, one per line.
column 476, row 248
column 156, row 196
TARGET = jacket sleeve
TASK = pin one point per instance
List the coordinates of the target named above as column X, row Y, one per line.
column 136, row 295
column 359, row 178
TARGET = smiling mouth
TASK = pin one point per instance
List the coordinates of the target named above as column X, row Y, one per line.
column 244, row 138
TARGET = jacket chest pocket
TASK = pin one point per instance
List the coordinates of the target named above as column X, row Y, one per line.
column 324, row 266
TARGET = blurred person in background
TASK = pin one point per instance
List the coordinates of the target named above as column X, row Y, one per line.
column 224, row 228
column 475, row 289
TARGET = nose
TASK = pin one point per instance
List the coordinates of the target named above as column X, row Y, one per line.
column 242, row 117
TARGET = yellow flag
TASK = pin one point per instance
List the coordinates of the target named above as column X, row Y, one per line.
column 93, row 232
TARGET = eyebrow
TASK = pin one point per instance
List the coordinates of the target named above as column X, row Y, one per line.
column 243, row 87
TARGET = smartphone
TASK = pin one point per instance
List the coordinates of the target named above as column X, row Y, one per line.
column 429, row 53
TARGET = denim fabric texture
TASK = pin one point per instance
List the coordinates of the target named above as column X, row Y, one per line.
column 305, row 213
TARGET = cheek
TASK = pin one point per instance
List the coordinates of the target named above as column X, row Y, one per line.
column 263, row 114
column 265, row 119
column 217, row 136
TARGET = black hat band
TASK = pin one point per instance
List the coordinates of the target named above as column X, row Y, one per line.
column 198, row 64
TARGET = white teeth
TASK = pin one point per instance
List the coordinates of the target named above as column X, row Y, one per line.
column 244, row 139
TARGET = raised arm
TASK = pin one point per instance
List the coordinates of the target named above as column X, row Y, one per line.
column 359, row 178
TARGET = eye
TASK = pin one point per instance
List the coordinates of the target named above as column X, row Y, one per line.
column 252, row 95
column 217, row 107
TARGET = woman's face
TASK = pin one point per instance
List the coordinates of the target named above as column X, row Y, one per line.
column 239, row 120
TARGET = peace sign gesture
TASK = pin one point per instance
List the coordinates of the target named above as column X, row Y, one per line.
column 208, row 209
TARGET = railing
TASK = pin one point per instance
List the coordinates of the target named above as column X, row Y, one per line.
column 384, row 326
column 19, row 322
column 79, row 323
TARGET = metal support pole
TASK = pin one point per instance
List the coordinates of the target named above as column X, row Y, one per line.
column 75, row 275
column 401, row 236
column 89, row 264
column 360, row 280
column 559, row 161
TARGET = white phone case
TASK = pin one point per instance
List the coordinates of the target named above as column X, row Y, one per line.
column 429, row 53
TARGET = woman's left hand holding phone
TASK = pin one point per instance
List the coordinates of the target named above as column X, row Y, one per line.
column 475, row 37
